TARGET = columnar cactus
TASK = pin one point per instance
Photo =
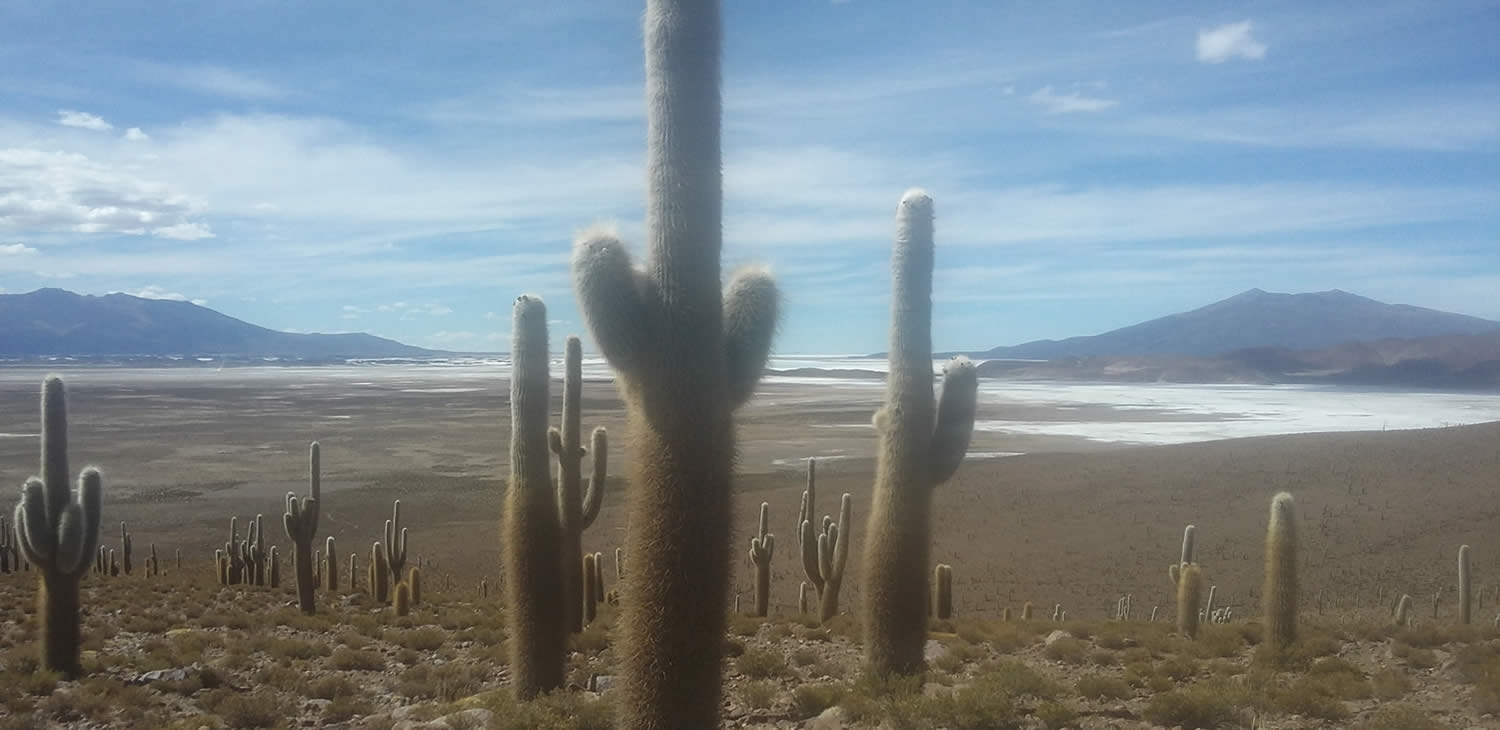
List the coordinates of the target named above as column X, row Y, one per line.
column 942, row 577
column 1026, row 611
column 802, row 600
column 126, row 549
column 587, row 604
column 380, row 577
column 1208, row 607
column 762, row 547
column 577, row 506
column 177, row 558
column 535, row 586
column 1280, row 591
column 1189, row 595
column 318, row 567
column 58, row 532
column 253, row 553
column 414, row 583
column 402, row 601
column 1403, row 611
column 330, row 573
column 114, row 567
column 232, row 550
column 221, row 563
column 274, row 569
column 599, row 594
column 353, row 572
column 922, row 441
column 824, row 552
column 687, row 354
column 395, row 544
column 153, row 568
column 1188, row 535
column 301, row 524
column 5, row 546
column 1465, row 587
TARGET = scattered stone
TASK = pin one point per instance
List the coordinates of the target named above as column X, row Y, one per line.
column 933, row 650
column 1056, row 636
column 177, row 674
column 601, row 682
column 831, row 719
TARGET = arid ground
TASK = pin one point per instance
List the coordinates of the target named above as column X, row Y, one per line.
column 1069, row 522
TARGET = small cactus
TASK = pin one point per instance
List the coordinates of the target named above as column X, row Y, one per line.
column 1280, row 592
column 942, row 577
column 403, row 599
column 221, row 563
column 331, row 569
column 126, row 550
column 1189, row 535
column 588, row 605
column 1026, row 611
column 1465, row 587
column 395, row 544
column 802, row 599
column 57, row 530
column 379, row 576
column 578, row 505
column 274, row 568
column 1402, row 615
column 301, row 524
column 153, row 568
column 1005, row 614
column 1189, row 594
column 762, row 546
column 414, row 583
column 353, row 572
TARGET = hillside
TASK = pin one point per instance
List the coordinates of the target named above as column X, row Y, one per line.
column 1257, row 318
column 55, row 322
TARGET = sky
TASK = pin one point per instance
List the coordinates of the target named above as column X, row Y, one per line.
column 339, row 166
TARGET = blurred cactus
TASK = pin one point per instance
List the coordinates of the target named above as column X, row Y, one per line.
column 1403, row 611
column 577, row 506
column 1465, row 587
column 687, row 353
column 414, row 584
column 274, row 569
column 1280, row 592
column 1189, row 534
column 353, row 572
column 380, row 577
column 301, row 524
column 802, row 603
column 331, row 566
column 942, row 577
column 127, row 550
column 221, row 562
column 232, row 551
column 5, row 546
column 922, row 441
column 1026, row 611
column 153, row 568
column 395, row 544
column 535, row 586
column 177, row 558
column 253, row 553
column 402, row 602
column 58, row 531
column 1189, row 595
column 762, row 547
column 587, row 604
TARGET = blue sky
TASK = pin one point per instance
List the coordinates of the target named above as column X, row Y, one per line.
column 345, row 167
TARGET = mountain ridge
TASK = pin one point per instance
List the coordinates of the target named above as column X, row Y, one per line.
column 57, row 322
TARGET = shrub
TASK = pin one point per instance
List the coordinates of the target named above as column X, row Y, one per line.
column 810, row 700
column 1098, row 687
column 758, row 663
column 1199, row 707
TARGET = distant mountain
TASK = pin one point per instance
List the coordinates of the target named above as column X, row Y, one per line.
column 1444, row 362
column 56, row 322
column 1256, row 319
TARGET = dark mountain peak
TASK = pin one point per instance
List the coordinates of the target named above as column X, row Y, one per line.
column 57, row 322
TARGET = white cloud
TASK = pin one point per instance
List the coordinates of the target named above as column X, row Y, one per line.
column 43, row 191
column 135, row 134
column 1068, row 103
column 213, row 80
column 15, row 249
column 83, row 120
column 1226, row 42
column 152, row 291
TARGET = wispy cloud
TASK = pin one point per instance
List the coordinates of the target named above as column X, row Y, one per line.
column 213, row 81
column 1228, row 42
column 152, row 291
column 1070, row 102
column 43, row 191
column 15, row 249
column 83, row 120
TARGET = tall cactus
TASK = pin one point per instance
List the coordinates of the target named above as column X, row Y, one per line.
column 577, row 506
column 330, row 573
column 587, row 604
column 1189, row 595
column 922, row 441
column 395, row 544
column 253, row 553
column 1465, row 587
column 301, row 524
column 380, row 577
column 1280, row 591
column 1188, row 535
column 687, row 354
column 126, row 550
column 59, row 533
column 942, row 576
column 535, row 586
column 153, row 568
column 762, row 547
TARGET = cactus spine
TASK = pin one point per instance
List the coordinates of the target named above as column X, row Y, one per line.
column 922, row 440
column 942, row 576
column 1465, row 586
column 687, row 354
column 762, row 546
column 1280, row 592
column 534, row 574
column 301, row 524
column 577, row 506
column 59, row 533
column 1189, row 595
column 395, row 544
column 330, row 566
column 403, row 599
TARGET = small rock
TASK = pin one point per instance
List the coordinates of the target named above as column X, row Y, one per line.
column 831, row 719
column 601, row 682
column 319, row 706
column 404, row 713
column 933, row 649
column 1056, row 636
column 163, row 675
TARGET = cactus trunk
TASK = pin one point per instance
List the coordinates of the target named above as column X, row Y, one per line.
column 1465, row 586
column 58, row 606
column 1280, row 592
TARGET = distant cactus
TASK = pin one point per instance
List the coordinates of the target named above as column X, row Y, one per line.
column 599, row 594
column 942, row 577
column 1188, row 555
column 380, row 578
column 1403, row 611
column 58, row 532
column 802, row 604
column 353, row 572
column 535, row 586
column 403, row 599
column 114, row 567
column 687, row 352
column 1208, row 607
column 318, row 565
column 177, row 558
column 1026, row 611
column 1154, row 609
column 587, row 603
column 126, row 550
column 153, row 568
column 301, row 524
column 1280, row 592
column 330, row 581
column 922, row 441
column 1005, row 614
column 221, row 562
column 825, row 551
column 762, row 546
column 395, row 544
column 273, row 569
column 1057, row 612
column 484, row 588
column 252, row 553
column 1189, row 595
column 619, row 565
column 414, row 583
column 577, row 506
column 1465, row 587
column 232, row 551
column 5, row 545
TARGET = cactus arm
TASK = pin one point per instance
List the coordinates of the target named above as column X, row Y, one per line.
column 91, row 504
column 841, row 541
column 593, row 496
column 32, row 528
column 955, row 419
column 751, row 308
column 810, row 565
column 610, row 293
